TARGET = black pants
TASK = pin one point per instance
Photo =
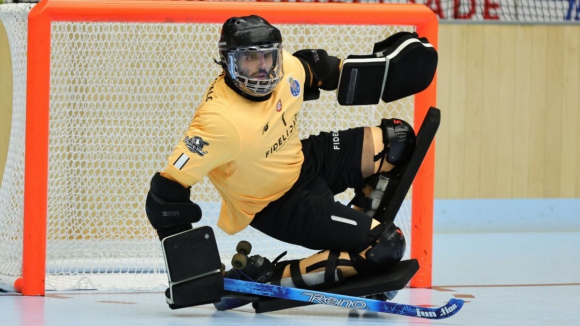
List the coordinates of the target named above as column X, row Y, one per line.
column 307, row 215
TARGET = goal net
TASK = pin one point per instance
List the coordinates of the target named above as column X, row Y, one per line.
column 14, row 17
column 120, row 88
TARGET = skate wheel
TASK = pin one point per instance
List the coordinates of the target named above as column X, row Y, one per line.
column 239, row 261
column 244, row 247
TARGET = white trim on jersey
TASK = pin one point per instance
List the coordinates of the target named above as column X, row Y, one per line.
column 180, row 162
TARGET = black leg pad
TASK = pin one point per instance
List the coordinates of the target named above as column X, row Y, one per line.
column 203, row 290
column 193, row 268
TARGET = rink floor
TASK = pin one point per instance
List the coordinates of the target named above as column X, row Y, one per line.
column 505, row 278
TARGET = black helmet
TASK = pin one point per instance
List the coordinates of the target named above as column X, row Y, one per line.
column 247, row 39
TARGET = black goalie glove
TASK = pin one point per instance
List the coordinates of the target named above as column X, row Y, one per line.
column 400, row 66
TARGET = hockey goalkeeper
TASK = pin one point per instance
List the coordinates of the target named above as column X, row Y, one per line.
column 244, row 137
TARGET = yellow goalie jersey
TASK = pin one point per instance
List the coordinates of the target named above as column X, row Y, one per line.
column 250, row 150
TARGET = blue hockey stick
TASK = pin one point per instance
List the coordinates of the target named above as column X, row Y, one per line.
column 338, row 300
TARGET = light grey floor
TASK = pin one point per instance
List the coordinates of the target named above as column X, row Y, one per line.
column 506, row 279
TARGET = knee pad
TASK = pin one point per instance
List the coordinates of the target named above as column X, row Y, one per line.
column 399, row 142
column 168, row 207
column 388, row 250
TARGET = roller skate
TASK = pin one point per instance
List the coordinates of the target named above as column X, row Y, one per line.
column 247, row 268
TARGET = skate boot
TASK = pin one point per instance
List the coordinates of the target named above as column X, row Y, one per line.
column 257, row 269
column 254, row 269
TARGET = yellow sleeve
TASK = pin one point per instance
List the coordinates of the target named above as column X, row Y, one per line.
column 211, row 140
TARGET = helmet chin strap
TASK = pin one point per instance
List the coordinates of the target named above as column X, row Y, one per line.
column 221, row 63
column 231, row 84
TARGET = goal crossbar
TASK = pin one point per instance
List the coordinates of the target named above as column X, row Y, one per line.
column 154, row 11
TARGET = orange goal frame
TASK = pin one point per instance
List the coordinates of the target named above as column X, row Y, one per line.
column 156, row 11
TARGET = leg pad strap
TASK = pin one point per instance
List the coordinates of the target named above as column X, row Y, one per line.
column 383, row 186
column 330, row 274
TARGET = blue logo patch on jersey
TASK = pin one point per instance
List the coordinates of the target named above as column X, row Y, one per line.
column 295, row 88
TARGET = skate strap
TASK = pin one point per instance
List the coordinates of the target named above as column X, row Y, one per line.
column 278, row 270
column 355, row 261
column 331, row 265
column 296, row 275
column 276, row 276
column 331, row 272
column 275, row 261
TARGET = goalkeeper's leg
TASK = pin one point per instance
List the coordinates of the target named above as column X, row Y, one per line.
column 310, row 217
column 386, row 150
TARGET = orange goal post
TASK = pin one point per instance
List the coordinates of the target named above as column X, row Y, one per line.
column 112, row 86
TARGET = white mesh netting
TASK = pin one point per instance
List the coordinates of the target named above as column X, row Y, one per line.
column 14, row 17
column 122, row 94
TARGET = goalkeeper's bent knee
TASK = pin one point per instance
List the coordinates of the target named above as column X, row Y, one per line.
column 399, row 141
column 169, row 208
column 388, row 250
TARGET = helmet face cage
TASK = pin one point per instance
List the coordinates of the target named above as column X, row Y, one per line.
column 261, row 80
